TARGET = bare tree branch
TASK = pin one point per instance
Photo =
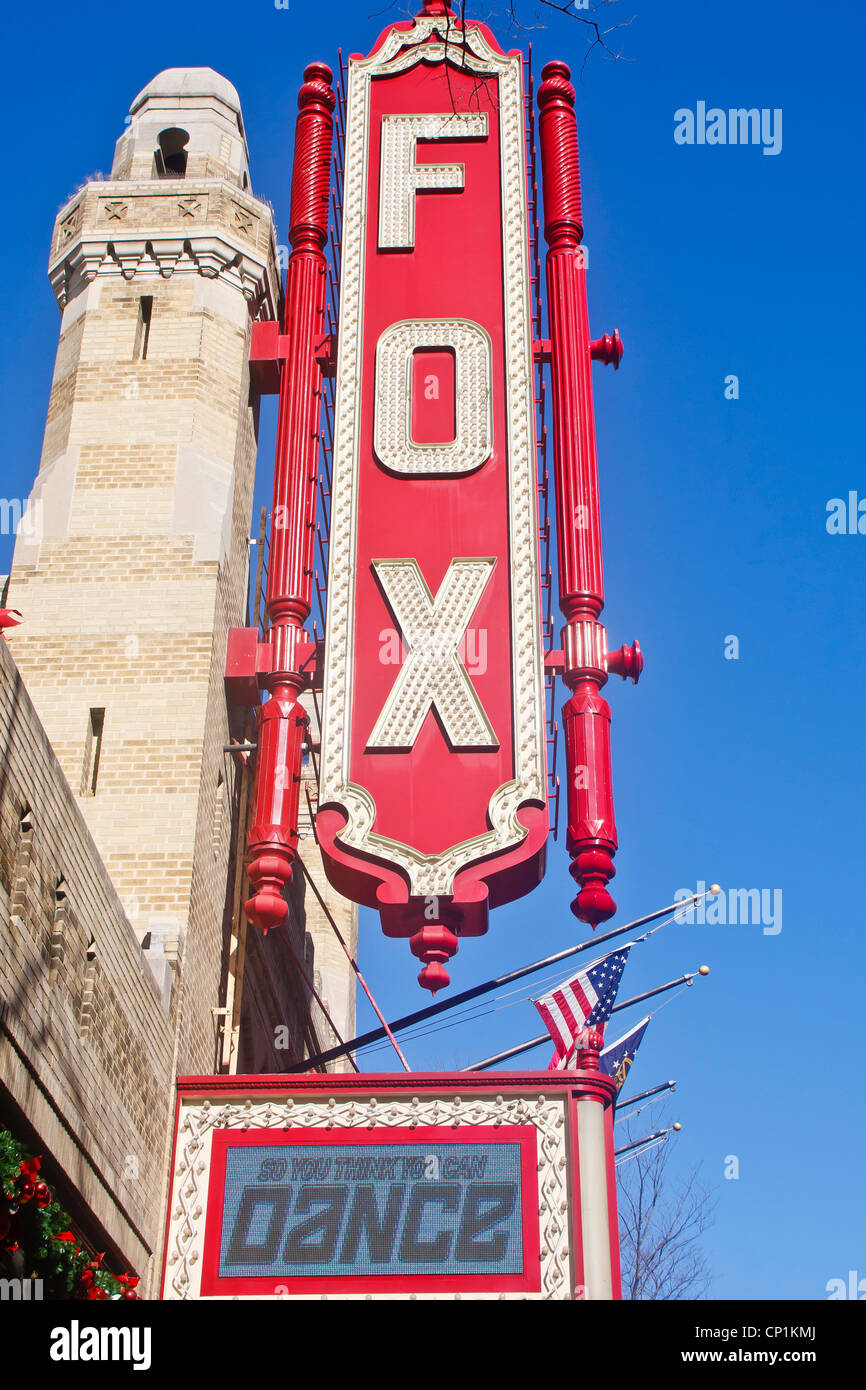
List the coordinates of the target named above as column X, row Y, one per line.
column 598, row 36
column 661, row 1222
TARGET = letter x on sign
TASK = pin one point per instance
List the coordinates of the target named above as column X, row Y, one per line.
column 433, row 675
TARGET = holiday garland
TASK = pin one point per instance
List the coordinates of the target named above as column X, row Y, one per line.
column 35, row 1237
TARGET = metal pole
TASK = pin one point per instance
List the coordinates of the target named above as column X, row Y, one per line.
column 432, row 1010
column 659, row 1134
column 643, row 1095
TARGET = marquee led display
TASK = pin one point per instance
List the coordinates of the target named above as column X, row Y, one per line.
column 306, row 1211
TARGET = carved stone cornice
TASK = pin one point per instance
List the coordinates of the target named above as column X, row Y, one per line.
column 169, row 227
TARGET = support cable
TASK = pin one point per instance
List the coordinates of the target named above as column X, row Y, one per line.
column 354, row 964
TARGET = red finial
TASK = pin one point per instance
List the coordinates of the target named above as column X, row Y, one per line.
column 435, row 7
column 563, row 219
column 317, row 88
column 588, row 1045
column 434, row 944
column 308, row 219
column 593, row 868
column 555, row 85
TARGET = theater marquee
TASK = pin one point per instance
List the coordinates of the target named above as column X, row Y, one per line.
column 376, row 1210
column 385, row 1187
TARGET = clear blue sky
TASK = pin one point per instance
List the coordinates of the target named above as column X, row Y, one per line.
column 710, row 261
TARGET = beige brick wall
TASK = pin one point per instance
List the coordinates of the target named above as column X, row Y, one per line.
column 86, row 1049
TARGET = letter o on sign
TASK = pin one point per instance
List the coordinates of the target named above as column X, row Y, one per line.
column 472, row 444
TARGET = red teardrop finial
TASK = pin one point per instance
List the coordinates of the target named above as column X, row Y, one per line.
column 593, row 869
column 434, row 944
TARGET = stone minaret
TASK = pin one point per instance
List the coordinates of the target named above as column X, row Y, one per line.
column 134, row 559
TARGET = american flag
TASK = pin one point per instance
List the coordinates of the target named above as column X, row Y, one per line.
column 584, row 1002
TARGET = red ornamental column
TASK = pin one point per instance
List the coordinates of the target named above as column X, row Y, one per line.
column 273, row 837
column 591, row 839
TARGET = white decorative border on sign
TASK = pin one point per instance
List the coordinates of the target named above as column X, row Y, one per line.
column 435, row 873
column 198, row 1119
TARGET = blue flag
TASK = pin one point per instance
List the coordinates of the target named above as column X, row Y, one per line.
column 616, row 1060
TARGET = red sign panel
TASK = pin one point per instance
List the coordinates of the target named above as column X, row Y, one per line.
column 432, row 797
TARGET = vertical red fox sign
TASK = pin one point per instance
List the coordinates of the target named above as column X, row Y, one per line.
column 432, row 802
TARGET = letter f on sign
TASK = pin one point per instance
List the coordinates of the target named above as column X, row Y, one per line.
column 433, row 674
column 401, row 176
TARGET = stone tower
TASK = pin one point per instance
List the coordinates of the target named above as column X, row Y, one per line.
column 135, row 560
column 119, row 805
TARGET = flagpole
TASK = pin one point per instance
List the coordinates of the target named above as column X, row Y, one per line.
column 643, row 1095
column 431, row 1010
column 545, row 1037
column 659, row 1134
